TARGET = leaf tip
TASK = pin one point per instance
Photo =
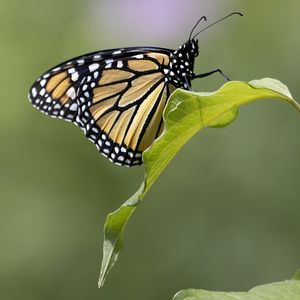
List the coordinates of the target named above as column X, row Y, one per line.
column 272, row 84
column 101, row 282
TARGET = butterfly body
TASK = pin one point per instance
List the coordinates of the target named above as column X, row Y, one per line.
column 116, row 96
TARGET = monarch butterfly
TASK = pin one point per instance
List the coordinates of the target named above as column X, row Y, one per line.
column 117, row 96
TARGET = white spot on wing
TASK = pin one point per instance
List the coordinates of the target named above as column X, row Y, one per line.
column 73, row 107
column 93, row 67
column 43, row 82
column 130, row 154
column 117, row 52
column 71, row 93
column 71, row 70
column 56, row 69
column 139, row 56
column 34, row 92
column 75, row 76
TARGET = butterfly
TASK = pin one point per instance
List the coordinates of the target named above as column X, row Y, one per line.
column 117, row 96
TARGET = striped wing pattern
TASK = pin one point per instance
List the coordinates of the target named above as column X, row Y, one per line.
column 116, row 96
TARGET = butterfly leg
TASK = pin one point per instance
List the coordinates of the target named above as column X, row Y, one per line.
column 210, row 73
column 187, row 85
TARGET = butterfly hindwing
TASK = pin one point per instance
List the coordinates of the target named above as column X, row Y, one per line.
column 120, row 106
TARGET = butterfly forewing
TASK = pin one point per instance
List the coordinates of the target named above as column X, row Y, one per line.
column 116, row 96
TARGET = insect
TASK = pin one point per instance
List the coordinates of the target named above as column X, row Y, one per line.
column 117, row 96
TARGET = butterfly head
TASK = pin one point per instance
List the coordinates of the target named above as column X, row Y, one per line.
column 182, row 61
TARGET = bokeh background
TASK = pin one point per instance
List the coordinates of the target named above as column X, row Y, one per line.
column 224, row 215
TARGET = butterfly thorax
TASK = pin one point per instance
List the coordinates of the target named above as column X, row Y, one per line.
column 181, row 65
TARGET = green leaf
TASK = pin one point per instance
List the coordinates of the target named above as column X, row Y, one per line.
column 286, row 290
column 186, row 114
column 114, row 232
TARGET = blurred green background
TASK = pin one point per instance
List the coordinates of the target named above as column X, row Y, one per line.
column 225, row 213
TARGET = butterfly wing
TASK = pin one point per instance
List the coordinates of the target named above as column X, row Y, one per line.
column 55, row 93
column 116, row 96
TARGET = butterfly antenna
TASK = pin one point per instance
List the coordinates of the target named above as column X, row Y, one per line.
column 214, row 23
column 202, row 18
